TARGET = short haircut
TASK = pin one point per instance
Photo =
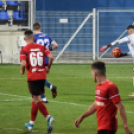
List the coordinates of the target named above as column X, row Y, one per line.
column 36, row 26
column 100, row 68
column 28, row 33
column 130, row 26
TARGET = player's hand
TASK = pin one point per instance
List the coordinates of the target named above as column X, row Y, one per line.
column 103, row 48
column 21, row 72
column 78, row 121
column 128, row 130
column 47, row 69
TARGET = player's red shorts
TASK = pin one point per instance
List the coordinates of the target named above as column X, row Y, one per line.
column 106, row 132
column 36, row 87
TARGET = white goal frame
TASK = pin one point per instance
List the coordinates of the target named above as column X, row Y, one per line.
column 93, row 14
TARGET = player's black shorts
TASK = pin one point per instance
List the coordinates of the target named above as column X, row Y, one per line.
column 46, row 65
column 106, row 132
column 36, row 87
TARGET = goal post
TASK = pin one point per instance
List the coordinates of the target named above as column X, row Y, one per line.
column 94, row 33
column 93, row 14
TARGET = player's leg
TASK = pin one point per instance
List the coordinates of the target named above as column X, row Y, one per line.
column 42, row 108
column 52, row 87
column 44, row 99
column 48, row 84
column 36, row 87
column 34, row 108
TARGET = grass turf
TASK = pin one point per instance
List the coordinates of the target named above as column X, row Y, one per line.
column 76, row 90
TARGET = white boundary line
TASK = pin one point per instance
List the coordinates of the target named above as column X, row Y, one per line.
column 11, row 100
column 75, row 104
column 25, row 97
column 34, row 131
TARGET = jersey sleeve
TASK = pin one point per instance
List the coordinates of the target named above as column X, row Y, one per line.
column 123, row 40
column 23, row 55
column 50, row 39
column 113, row 94
column 46, row 51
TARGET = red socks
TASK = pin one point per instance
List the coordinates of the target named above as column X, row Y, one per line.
column 34, row 111
column 42, row 108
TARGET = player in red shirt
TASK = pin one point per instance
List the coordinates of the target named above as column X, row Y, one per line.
column 32, row 58
column 107, row 102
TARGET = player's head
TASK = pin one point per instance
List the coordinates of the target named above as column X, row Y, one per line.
column 130, row 29
column 37, row 27
column 98, row 69
column 29, row 37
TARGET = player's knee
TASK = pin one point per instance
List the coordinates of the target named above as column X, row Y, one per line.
column 36, row 99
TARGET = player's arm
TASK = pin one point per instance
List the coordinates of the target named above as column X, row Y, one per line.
column 114, row 96
column 90, row 111
column 50, row 56
column 22, row 66
column 117, row 42
column 54, row 46
column 23, row 57
column 123, row 116
column 53, row 43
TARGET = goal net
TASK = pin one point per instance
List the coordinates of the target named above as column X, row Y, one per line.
column 111, row 25
column 73, row 31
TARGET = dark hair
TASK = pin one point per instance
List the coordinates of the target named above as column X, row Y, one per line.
column 130, row 26
column 28, row 33
column 100, row 67
column 36, row 26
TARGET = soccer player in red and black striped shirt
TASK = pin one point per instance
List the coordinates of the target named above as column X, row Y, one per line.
column 107, row 102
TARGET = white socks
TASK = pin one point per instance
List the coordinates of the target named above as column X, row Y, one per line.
column 47, row 117
column 51, row 87
column 44, row 99
column 31, row 122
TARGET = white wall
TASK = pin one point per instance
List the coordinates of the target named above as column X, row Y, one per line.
column 9, row 46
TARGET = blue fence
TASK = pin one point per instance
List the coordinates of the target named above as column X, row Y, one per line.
column 62, row 32
column 111, row 24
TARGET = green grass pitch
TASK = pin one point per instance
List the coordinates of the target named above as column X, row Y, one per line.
column 76, row 91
